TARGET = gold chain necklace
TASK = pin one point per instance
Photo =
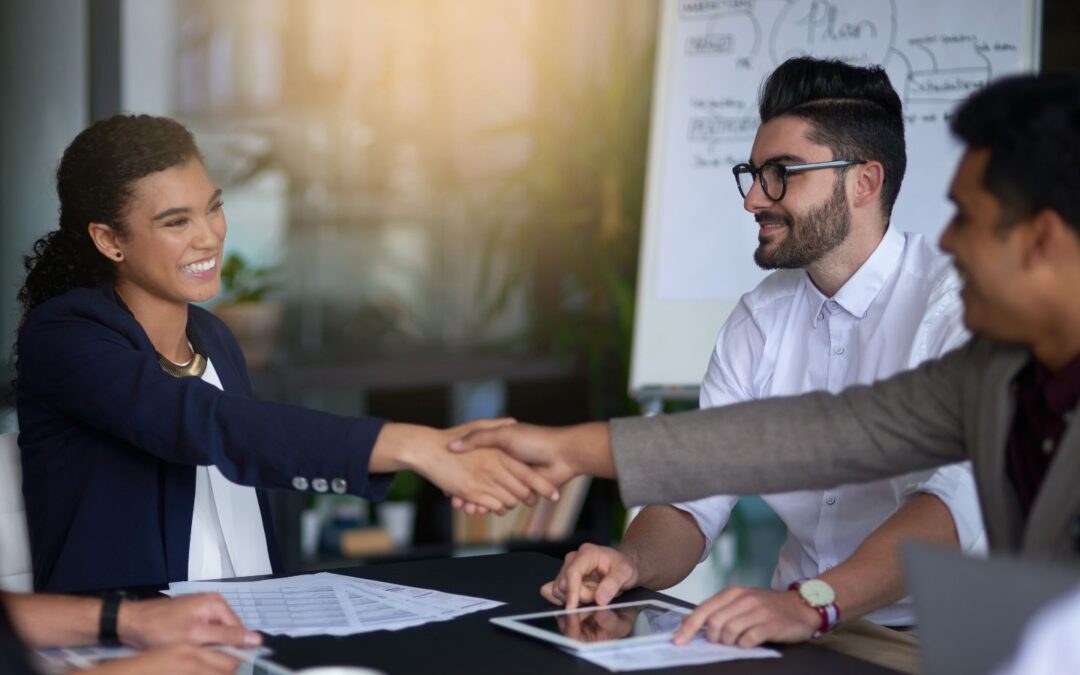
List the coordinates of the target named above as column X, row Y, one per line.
column 193, row 368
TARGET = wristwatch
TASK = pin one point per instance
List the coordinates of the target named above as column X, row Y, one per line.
column 820, row 597
column 107, row 624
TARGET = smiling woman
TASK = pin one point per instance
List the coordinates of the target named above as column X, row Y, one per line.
column 142, row 446
column 168, row 254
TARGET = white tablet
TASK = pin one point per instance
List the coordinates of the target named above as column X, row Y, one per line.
column 593, row 627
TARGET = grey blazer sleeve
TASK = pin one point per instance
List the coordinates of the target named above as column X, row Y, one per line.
column 909, row 422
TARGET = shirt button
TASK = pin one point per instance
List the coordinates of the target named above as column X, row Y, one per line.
column 838, row 349
column 300, row 483
column 319, row 485
column 338, row 485
column 821, row 316
column 1047, row 446
column 832, row 304
column 830, row 500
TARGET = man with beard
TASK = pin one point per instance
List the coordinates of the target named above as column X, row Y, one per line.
column 853, row 300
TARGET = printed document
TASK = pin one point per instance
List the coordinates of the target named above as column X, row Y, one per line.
column 333, row 604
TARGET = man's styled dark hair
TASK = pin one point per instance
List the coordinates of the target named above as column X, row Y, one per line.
column 1031, row 126
column 853, row 111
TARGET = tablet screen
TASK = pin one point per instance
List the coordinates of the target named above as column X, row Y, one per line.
column 606, row 624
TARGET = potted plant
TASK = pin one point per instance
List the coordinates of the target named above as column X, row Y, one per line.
column 569, row 218
column 254, row 320
column 398, row 512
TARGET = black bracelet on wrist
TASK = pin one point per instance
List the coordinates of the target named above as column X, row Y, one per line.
column 110, row 613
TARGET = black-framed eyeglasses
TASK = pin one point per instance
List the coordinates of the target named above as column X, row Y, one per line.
column 773, row 175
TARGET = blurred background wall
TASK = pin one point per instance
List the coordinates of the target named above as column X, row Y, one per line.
column 428, row 176
column 45, row 90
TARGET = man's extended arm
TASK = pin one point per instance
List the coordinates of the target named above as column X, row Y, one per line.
column 909, row 422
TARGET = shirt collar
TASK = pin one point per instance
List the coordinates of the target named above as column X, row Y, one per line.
column 860, row 290
column 1061, row 388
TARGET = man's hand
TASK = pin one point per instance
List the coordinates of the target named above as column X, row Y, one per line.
column 558, row 453
column 487, row 478
column 540, row 447
column 204, row 618
column 536, row 446
column 747, row 617
column 591, row 574
column 174, row 660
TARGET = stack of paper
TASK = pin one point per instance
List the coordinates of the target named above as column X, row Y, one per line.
column 332, row 604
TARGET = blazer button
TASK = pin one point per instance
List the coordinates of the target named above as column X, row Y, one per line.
column 300, row 483
column 319, row 484
column 338, row 485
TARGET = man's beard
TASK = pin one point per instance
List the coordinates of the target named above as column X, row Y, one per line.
column 809, row 236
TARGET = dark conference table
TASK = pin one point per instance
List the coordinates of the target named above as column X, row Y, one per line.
column 472, row 645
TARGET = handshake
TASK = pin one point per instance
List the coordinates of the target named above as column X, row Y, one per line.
column 493, row 465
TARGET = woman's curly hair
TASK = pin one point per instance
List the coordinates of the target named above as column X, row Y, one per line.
column 95, row 181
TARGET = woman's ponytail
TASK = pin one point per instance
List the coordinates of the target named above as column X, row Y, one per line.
column 60, row 261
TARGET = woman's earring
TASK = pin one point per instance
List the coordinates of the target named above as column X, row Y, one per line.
column 119, row 255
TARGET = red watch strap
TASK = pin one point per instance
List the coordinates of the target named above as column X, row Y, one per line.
column 824, row 614
column 832, row 617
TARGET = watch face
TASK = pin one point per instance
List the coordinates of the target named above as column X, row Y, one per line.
column 817, row 593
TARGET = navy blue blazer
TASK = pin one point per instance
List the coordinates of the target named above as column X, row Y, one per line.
column 110, row 443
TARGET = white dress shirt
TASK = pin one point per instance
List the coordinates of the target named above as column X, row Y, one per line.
column 785, row 337
column 227, row 536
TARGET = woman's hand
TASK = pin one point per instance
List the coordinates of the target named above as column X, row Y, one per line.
column 486, row 477
column 47, row 620
column 203, row 618
column 173, row 660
